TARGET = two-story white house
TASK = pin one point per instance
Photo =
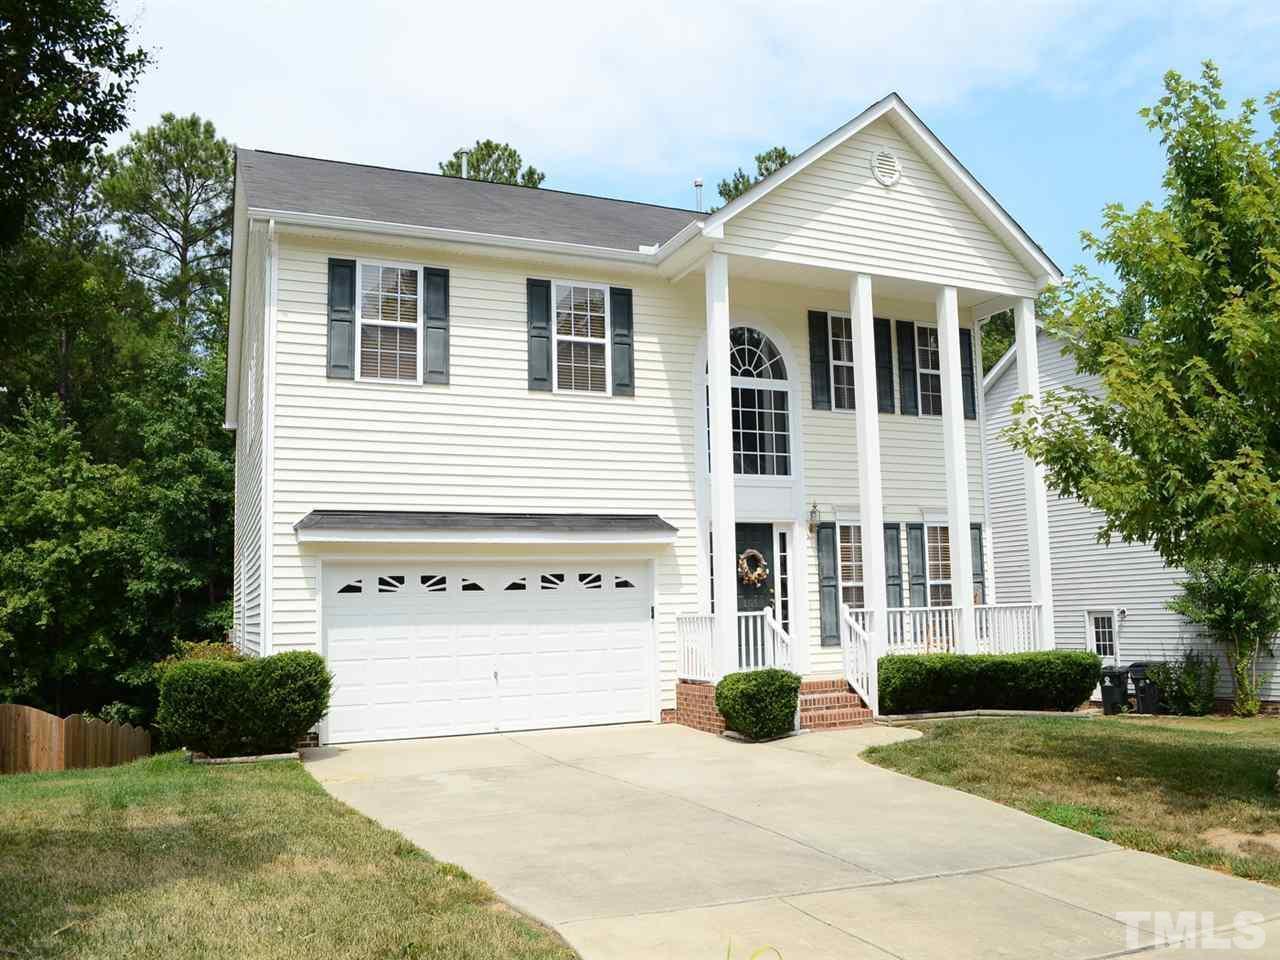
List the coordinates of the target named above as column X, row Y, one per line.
column 513, row 458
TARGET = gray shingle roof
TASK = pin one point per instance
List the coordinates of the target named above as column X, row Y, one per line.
column 278, row 181
column 584, row 523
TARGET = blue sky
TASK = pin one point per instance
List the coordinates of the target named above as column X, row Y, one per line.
column 1038, row 99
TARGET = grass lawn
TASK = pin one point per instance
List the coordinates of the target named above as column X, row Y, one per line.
column 161, row 858
column 1198, row 790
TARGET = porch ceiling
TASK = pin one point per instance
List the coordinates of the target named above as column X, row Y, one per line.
column 824, row 278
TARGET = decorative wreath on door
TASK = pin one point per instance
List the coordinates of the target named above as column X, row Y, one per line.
column 752, row 570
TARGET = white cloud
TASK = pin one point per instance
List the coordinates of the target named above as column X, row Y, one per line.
column 637, row 89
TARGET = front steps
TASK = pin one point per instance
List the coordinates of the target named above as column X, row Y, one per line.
column 826, row 703
column 830, row 705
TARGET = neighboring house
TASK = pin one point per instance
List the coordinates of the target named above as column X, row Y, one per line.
column 485, row 467
column 1111, row 599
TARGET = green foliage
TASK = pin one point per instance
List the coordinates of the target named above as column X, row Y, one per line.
column 1046, row 680
column 775, row 158
column 493, row 162
column 200, row 650
column 169, row 191
column 1240, row 608
column 1187, row 686
column 1181, row 449
column 226, row 707
column 67, row 71
column 759, row 704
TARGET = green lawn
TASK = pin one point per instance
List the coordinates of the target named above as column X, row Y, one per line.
column 1197, row 790
column 161, row 858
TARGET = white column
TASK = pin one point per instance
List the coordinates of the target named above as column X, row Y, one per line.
column 1037, row 500
column 870, row 493
column 724, row 540
column 957, row 466
column 798, row 568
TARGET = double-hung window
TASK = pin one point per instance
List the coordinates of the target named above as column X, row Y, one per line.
column 929, row 365
column 852, row 593
column 842, row 394
column 1102, row 626
column 389, row 309
column 938, row 564
column 581, row 337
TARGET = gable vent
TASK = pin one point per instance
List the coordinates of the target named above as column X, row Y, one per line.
column 886, row 168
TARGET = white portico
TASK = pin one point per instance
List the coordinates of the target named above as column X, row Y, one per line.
column 881, row 218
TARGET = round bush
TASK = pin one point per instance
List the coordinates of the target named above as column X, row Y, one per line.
column 759, row 704
column 237, row 708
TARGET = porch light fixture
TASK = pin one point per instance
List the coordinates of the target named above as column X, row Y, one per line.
column 814, row 517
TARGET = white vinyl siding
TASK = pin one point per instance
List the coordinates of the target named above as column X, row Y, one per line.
column 835, row 214
column 249, row 450
column 1087, row 576
column 487, row 443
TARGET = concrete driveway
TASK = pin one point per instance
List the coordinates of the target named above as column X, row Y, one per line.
column 655, row 842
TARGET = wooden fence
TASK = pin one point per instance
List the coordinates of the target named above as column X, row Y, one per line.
column 34, row 741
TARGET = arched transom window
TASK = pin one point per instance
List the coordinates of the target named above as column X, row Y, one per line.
column 759, row 395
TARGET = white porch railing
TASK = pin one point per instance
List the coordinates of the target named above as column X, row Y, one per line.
column 1007, row 627
column 696, row 635
column 915, row 630
column 762, row 643
column 860, row 657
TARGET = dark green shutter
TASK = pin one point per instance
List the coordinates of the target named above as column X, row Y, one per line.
column 907, row 367
column 820, row 359
column 624, row 362
column 915, row 565
column 979, row 571
column 539, row 296
column 967, row 383
column 342, row 319
column 884, row 365
column 435, row 319
column 828, row 586
column 893, row 564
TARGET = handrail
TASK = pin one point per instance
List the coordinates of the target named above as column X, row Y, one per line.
column 696, row 634
column 861, row 667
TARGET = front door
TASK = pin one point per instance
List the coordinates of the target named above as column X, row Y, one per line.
column 757, row 537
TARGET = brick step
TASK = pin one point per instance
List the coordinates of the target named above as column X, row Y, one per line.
column 824, row 685
column 830, row 699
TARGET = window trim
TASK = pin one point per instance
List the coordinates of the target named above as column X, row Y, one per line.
column 556, row 337
column 832, row 362
column 921, row 370
column 841, row 583
column 361, row 263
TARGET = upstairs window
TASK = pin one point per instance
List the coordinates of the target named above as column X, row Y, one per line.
column 929, row 362
column 759, row 402
column 581, row 337
column 390, row 317
column 841, row 362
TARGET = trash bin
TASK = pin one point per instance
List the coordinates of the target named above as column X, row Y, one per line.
column 1146, row 695
column 1115, row 690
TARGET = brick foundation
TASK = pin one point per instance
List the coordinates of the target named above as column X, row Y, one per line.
column 825, row 704
column 309, row 739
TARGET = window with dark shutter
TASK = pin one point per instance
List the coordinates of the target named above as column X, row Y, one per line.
column 884, row 365
column 623, row 343
column 916, row 565
column 967, row 379
column 893, row 564
column 435, row 318
column 342, row 319
column 979, row 564
column 538, row 294
column 819, row 360
column 907, row 367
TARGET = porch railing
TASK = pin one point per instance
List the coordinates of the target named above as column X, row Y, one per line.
column 697, row 636
column 915, row 630
column 1007, row 627
column 857, row 648
column 762, row 643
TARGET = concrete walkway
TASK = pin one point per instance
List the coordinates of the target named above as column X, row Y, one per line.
column 660, row 842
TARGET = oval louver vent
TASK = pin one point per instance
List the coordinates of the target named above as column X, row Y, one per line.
column 886, row 168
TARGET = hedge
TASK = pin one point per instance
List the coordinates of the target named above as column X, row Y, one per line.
column 1046, row 680
column 759, row 704
column 237, row 708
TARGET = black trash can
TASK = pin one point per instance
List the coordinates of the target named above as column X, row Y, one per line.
column 1115, row 690
column 1146, row 695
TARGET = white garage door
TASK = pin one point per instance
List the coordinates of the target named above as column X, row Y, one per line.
column 426, row 650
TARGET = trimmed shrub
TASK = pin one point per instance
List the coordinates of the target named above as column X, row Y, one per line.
column 243, row 707
column 1045, row 680
column 759, row 704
